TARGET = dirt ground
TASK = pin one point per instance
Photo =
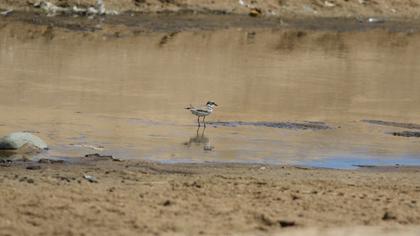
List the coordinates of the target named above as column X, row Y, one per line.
column 133, row 197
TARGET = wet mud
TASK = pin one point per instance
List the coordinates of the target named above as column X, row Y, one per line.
column 134, row 23
column 407, row 134
column 415, row 134
column 280, row 125
column 393, row 124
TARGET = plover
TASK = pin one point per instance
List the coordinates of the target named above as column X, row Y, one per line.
column 202, row 111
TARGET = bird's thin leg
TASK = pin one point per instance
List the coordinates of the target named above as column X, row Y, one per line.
column 204, row 121
column 198, row 121
column 204, row 129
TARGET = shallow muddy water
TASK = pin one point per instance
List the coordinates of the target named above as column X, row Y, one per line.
column 126, row 96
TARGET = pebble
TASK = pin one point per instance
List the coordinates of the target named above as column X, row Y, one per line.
column 7, row 12
column 167, row 203
column 254, row 12
column 389, row 216
column 286, row 223
column 91, row 179
column 329, row 4
column 375, row 20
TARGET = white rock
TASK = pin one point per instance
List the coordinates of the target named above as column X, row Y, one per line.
column 375, row 20
column 19, row 139
column 52, row 9
column 78, row 10
column 6, row 12
column 329, row 4
column 242, row 3
column 100, row 6
column 92, row 11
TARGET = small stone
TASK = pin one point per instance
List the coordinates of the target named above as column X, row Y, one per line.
column 286, row 223
column 389, row 216
column 5, row 162
column 167, row 203
column 329, row 4
column 6, row 12
column 294, row 197
column 254, row 12
column 91, row 179
column 375, row 20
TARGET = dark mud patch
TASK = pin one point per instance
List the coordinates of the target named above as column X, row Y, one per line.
column 365, row 166
column 407, row 134
column 280, row 125
column 99, row 157
column 394, row 124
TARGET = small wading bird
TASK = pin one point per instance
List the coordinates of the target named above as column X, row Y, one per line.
column 202, row 111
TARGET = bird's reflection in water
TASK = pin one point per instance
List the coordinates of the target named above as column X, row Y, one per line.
column 200, row 140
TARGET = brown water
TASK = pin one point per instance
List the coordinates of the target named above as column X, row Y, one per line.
column 127, row 95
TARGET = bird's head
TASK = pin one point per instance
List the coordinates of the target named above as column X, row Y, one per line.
column 211, row 104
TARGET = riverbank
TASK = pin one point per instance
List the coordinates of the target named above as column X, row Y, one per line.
column 135, row 197
column 267, row 8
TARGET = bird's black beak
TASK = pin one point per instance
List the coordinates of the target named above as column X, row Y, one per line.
column 215, row 104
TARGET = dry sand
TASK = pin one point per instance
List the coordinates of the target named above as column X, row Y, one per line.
column 133, row 197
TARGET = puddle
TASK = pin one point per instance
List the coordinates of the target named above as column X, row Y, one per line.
column 294, row 97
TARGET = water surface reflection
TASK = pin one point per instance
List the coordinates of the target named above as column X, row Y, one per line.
column 128, row 94
column 200, row 140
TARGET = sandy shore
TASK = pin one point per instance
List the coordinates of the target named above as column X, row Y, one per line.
column 133, row 197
